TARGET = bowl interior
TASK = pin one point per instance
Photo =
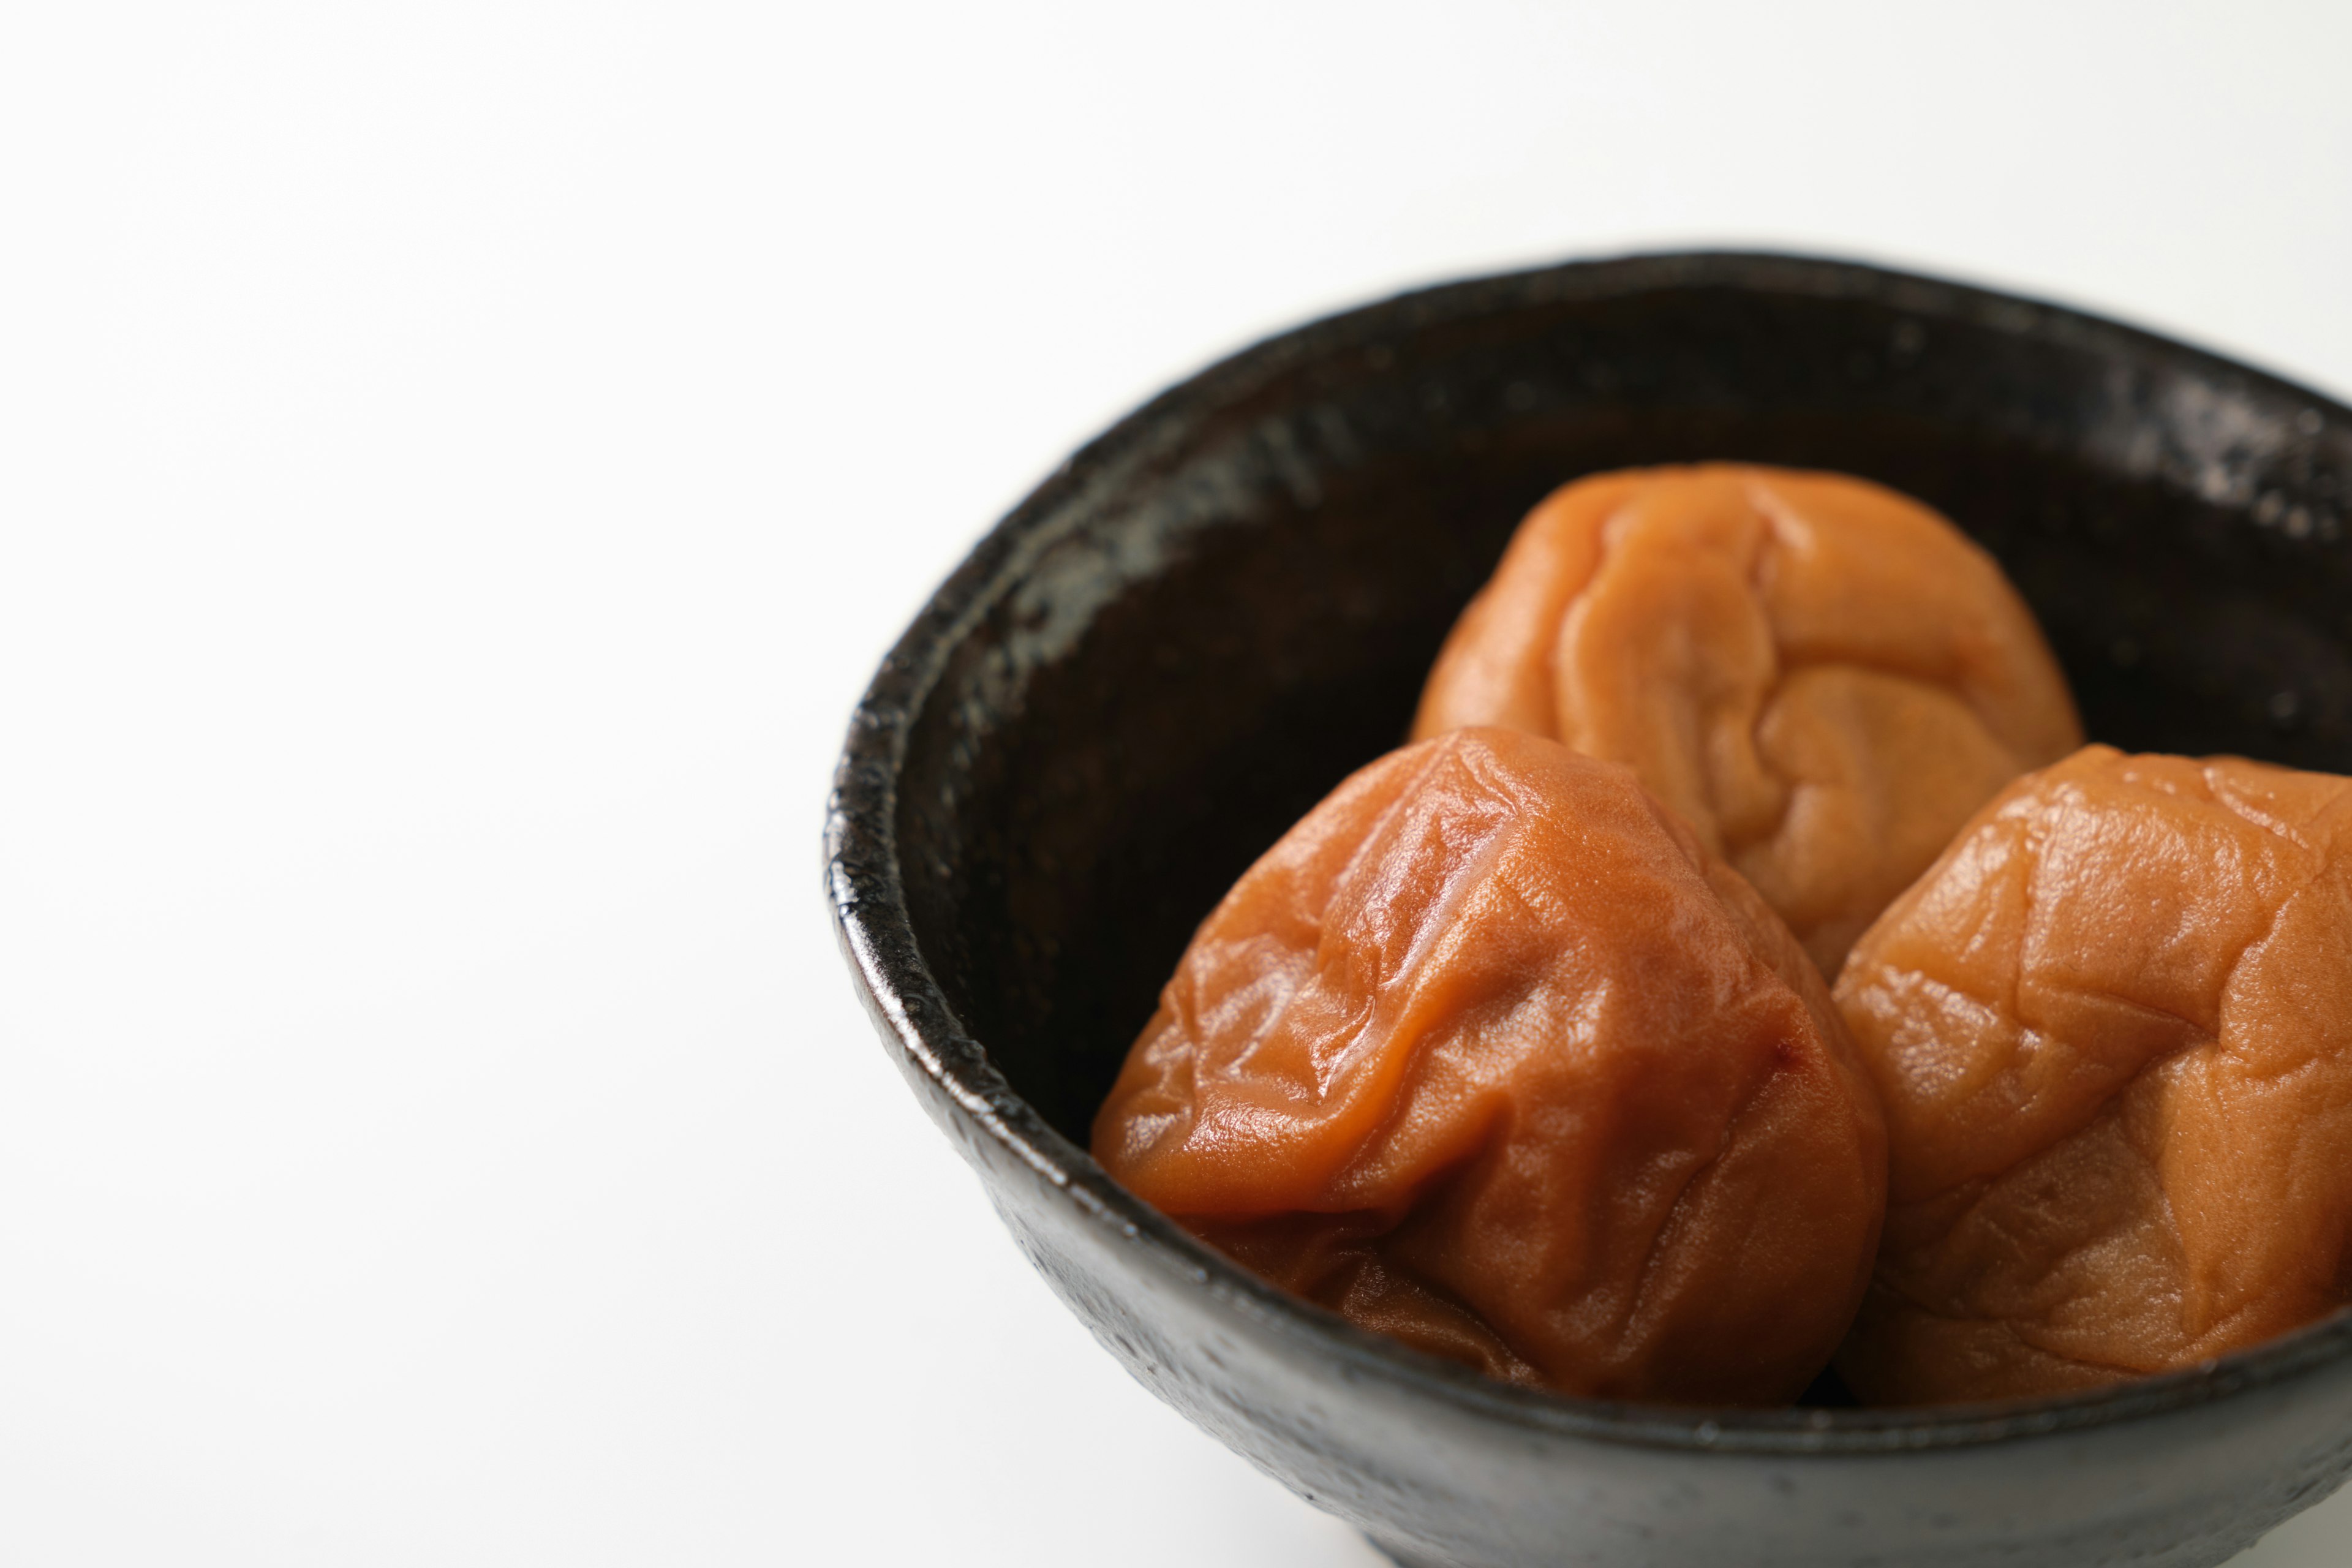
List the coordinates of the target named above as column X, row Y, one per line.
column 1228, row 604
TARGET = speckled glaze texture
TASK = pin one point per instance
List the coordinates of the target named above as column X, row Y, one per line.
column 1215, row 611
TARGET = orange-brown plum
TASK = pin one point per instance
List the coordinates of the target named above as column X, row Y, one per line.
column 2112, row 1028
column 1490, row 1055
column 1822, row 677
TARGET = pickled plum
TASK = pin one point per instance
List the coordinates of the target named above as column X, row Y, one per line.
column 2112, row 1028
column 1489, row 1054
column 1822, row 677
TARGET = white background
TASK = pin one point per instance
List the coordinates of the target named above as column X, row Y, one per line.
column 458, row 465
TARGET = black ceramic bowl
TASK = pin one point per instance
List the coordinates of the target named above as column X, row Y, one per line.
column 1211, row 614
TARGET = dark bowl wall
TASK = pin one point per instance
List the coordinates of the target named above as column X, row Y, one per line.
column 1206, row 619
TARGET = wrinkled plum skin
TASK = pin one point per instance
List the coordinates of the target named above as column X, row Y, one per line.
column 2112, row 1028
column 1489, row 1054
column 1822, row 677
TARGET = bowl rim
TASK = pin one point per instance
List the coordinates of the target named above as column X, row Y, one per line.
column 867, row 899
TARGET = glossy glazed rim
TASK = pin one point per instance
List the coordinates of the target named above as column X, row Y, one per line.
column 868, row 902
